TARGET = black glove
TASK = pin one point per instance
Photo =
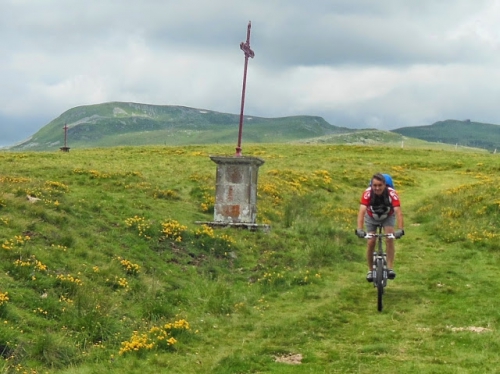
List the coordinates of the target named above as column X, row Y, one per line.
column 399, row 233
column 360, row 233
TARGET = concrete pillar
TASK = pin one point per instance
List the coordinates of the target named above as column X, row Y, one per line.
column 236, row 189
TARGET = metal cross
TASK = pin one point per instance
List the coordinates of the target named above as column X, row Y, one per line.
column 245, row 47
column 65, row 135
column 65, row 148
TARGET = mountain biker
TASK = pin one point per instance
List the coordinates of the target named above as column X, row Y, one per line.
column 380, row 205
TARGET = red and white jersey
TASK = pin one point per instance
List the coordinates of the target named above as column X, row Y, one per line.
column 376, row 211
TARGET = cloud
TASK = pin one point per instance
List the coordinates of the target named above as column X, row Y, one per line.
column 357, row 63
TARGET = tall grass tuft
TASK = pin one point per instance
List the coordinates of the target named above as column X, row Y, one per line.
column 53, row 351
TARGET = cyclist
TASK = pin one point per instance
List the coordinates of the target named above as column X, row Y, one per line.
column 380, row 205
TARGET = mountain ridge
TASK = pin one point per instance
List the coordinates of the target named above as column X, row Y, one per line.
column 127, row 123
column 133, row 124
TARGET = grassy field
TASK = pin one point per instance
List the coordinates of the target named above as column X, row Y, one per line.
column 107, row 271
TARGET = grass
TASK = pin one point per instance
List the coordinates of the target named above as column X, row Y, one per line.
column 109, row 260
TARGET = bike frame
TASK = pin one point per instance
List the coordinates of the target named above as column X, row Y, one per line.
column 379, row 263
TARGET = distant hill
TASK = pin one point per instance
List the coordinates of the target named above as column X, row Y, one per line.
column 373, row 137
column 119, row 123
column 465, row 133
column 361, row 137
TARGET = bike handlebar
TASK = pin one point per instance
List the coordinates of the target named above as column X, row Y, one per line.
column 364, row 235
column 388, row 236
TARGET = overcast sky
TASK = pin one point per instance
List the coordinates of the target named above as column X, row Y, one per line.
column 357, row 63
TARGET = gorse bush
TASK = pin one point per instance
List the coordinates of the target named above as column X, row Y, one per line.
column 4, row 299
column 141, row 225
column 172, row 229
column 166, row 194
column 16, row 241
column 219, row 245
column 467, row 213
column 129, row 267
column 157, row 337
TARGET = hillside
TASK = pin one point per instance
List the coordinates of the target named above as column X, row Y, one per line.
column 123, row 124
column 118, row 124
column 464, row 133
column 107, row 271
column 371, row 137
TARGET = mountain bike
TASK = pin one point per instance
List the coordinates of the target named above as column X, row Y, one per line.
column 379, row 264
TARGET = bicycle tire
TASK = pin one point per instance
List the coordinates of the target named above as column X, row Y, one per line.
column 380, row 283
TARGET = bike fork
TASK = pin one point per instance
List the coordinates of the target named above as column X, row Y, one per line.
column 376, row 259
column 385, row 275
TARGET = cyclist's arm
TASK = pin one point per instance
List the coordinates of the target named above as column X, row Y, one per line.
column 361, row 216
column 399, row 217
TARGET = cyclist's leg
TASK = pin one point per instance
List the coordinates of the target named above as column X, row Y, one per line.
column 370, row 248
column 371, row 228
column 389, row 229
column 390, row 248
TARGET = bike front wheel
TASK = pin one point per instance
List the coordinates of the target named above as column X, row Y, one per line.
column 380, row 283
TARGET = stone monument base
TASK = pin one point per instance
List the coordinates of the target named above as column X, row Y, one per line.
column 236, row 189
column 237, row 225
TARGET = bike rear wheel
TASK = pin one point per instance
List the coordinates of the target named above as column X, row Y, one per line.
column 380, row 283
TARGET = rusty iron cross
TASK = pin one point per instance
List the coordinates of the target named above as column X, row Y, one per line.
column 65, row 134
column 245, row 47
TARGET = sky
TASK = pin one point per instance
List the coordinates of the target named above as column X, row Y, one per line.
column 382, row 64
